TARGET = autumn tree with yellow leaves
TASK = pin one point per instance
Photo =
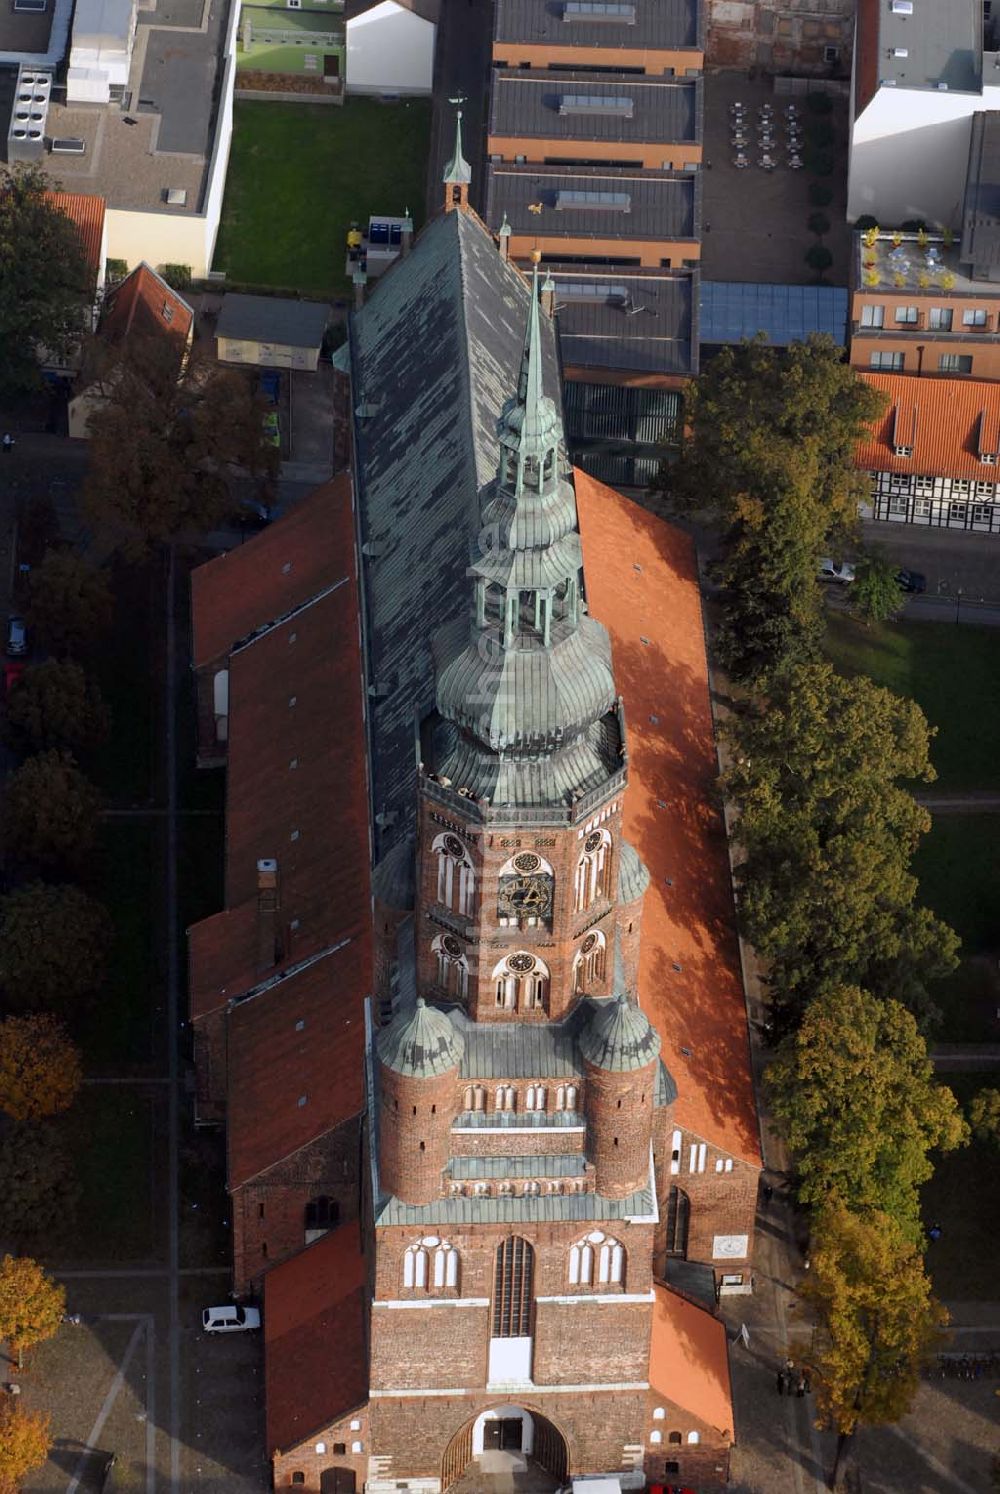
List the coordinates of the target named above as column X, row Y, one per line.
column 31, row 1304
column 24, row 1444
column 40, row 1069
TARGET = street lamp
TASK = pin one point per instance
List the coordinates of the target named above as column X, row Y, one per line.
column 958, row 603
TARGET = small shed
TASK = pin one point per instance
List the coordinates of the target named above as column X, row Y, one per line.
column 271, row 333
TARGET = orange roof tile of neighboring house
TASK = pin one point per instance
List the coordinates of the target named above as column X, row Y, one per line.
column 87, row 212
column 145, row 304
column 642, row 585
column 948, row 424
column 316, row 1363
column 296, row 1059
column 689, row 1359
column 297, row 792
column 276, row 571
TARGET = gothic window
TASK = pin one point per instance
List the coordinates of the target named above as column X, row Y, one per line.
column 512, row 1288
column 524, row 891
column 322, row 1213
column 566, row 1097
column 430, row 1261
column 415, row 1267
column 475, row 1097
column 535, row 1097
column 521, row 982
column 456, row 879
column 597, row 1255
column 445, row 1265
column 592, row 869
column 452, row 965
column 504, row 1098
column 589, row 962
column 678, row 1218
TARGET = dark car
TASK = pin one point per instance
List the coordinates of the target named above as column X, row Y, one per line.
column 270, row 386
column 17, row 637
column 911, row 581
column 251, row 514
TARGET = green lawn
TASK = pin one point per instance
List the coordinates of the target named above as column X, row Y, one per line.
column 950, row 671
column 116, row 1155
column 265, row 58
column 300, row 173
column 963, row 1197
column 957, row 867
column 116, row 1031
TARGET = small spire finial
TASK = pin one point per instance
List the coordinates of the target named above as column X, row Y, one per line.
column 457, row 173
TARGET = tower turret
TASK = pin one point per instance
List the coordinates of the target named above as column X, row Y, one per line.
column 620, row 1050
column 419, row 1054
column 457, row 173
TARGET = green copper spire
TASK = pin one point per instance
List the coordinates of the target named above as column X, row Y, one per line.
column 458, row 172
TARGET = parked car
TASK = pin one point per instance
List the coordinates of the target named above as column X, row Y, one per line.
column 251, row 514
column 836, row 570
column 270, row 386
column 17, row 637
column 230, row 1319
column 911, row 581
column 12, row 673
column 272, row 427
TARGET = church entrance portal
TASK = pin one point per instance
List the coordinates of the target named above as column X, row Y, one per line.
column 531, row 1442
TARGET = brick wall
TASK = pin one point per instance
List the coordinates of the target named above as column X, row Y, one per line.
column 414, row 1349
column 619, row 1127
column 722, row 1203
column 269, row 1213
column 590, row 1342
column 347, row 1432
column 414, row 1133
column 210, row 1068
column 541, row 1142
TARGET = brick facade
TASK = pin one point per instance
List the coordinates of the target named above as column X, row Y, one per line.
column 332, row 1446
column 270, row 1212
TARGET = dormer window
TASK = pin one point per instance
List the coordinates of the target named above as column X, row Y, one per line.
column 902, row 451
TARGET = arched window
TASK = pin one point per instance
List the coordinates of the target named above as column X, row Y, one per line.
column 566, row 1097
column 678, row 1218
column 298, row 1478
column 592, row 869
column 535, row 1097
column 415, row 1267
column 659, row 1413
column 452, row 965
column 513, row 1292
column 606, row 1252
column 521, row 982
column 445, row 1265
column 656, row 1437
column 474, row 1097
column 456, row 879
column 525, row 890
column 589, row 962
column 504, row 1098
column 321, row 1214
column 694, row 1438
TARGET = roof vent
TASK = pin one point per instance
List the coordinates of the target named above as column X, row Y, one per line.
column 887, row 82
column 900, row 52
column 176, row 196
column 67, row 145
column 901, row 7
column 941, row 87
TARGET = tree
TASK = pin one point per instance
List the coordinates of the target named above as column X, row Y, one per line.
column 37, row 528
column 46, row 285
column 31, row 1303
column 878, row 1322
column 55, row 704
column 165, row 444
column 770, row 435
column 984, row 1115
column 39, row 1191
column 54, row 946
column 875, row 594
column 40, row 1068
column 818, row 223
column 50, row 811
column 70, row 603
column 853, row 1092
column 826, row 832
column 24, row 1444
column 818, row 256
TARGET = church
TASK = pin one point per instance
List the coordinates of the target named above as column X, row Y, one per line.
column 472, row 1017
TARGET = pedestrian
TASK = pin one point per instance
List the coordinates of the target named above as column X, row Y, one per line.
column 8, row 442
column 800, row 1386
column 781, row 1382
column 768, row 1193
column 807, row 1379
column 934, row 1233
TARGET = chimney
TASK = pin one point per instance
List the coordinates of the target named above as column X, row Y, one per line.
column 268, row 903
column 548, row 296
column 406, row 233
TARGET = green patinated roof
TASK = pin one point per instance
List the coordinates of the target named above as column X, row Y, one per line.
column 633, row 877
column 533, row 1208
column 619, row 1037
column 420, row 1042
column 510, row 1120
column 394, row 878
column 460, row 1169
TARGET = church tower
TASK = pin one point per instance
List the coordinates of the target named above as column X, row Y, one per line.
column 519, row 1086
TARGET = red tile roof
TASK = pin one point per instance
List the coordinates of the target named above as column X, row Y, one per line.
column 316, row 1361
column 145, row 304
column 642, row 585
column 279, row 569
column 948, row 423
column 87, row 212
column 689, row 1359
column 297, row 792
column 296, row 1060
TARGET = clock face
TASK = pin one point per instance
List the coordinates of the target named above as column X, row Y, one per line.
column 525, row 896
